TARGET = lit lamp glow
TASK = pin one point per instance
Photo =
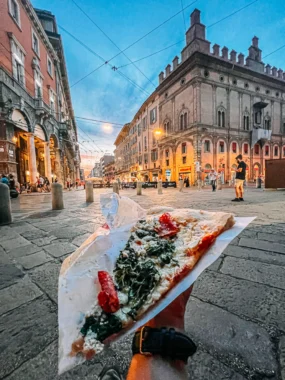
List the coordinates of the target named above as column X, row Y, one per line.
column 27, row 172
column 14, row 139
column 158, row 132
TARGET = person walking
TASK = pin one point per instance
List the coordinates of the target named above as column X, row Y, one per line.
column 187, row 182
column 240, row 178
column 213, row 179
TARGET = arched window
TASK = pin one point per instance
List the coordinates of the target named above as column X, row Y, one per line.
column 276, row 151
column 145, row 143
column 183, row 122
column 166, row 127
column 221, row 117
column 267, row 123
column 246, row 122
column 208, row 167
column 257, row 117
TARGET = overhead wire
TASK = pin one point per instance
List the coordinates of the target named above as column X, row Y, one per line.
column 183, row 16
column 105, row 34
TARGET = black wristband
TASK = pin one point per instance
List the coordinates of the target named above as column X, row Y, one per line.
column 164, row 342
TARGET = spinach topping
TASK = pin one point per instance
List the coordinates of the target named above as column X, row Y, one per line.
column 163, row 249
column 104, row 326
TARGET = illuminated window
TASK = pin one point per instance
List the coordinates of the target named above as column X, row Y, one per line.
column 234, row 147
column 245, row 148
column 184, row 160
column 184, row 148
column 256, row 149
column 167, row 153
column 276, row 151
column 207, row 146
column 266, row 150
column 167, row 162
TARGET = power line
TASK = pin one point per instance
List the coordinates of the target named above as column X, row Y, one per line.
column 90, row 139
column 98, row 121
column 105, row 34
column 105, row 62
column 274, row 51
column 183, row 16
column 231, row 14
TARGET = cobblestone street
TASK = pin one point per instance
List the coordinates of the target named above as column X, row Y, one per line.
column 236, row 314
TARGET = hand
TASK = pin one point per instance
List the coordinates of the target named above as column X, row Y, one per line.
column 173, row 314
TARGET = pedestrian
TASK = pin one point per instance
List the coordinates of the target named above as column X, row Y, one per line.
column 12, row 183
column 213, row 179
column 203, row 178
column 155, row 182
column 187, row 182
column 240, row 177
column 4, row 179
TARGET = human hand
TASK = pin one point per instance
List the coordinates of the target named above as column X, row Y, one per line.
column 173, row 314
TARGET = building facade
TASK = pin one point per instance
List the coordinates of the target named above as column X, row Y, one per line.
column 212, row 106
column 109, row 172
column 106, row 159
column 38, row 133
column 96, row 171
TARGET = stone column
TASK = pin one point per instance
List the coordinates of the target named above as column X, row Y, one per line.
column 59, row 165
column 32, row 158
column 47, row 161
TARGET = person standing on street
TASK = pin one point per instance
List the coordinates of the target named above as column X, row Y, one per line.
column 240, row 177
column 5, row 180
column 213, row 179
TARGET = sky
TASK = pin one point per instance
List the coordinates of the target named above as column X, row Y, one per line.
column 106, row 95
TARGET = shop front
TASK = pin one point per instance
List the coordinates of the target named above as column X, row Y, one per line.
column 184, row 171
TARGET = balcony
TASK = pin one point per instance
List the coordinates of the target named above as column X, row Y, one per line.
column 260, row 135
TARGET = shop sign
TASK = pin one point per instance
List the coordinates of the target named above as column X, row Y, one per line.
column 11, row 153
column 1, row 149
column 186, row 169
column 167, row 172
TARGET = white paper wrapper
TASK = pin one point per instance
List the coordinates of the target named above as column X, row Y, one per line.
column 77, row 291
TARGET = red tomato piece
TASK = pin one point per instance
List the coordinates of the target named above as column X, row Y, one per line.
column 168, row 226
column 108, row 297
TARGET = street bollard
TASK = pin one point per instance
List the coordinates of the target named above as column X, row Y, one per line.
column 89, row 192
column 258, row 183
column 5, row 205
column 219, row 184
column 56, row 196
column 116, row 188
column 181, row 184
column 199, row 185
column 159, row 187
column 139, row 188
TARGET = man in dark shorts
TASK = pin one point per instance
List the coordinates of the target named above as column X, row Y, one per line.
column 240, row 178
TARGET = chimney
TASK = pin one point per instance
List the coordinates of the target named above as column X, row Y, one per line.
column 216, row 50
column 274, row 71
column 161, row 77
column 175, row 62
column 167, row 70
column 195, row 17
column 241, row 59
column 233, row 56
column 255, row 42
column 225, row 53
column 268, row 69
column 280, row 73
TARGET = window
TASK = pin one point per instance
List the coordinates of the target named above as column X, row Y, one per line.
column 184, row 148
column 167, row 162
column 183, row 120
column 49, row 66
column 183, row 160
column 144, row 123
column 257, row 117
column 182, row 82
column 140, row 160
column 52, row 102
column 283, row 127
column 257, row 89
column 267, row 92
column 246, row 122
column 35, row 43
column 245, row 148
column 166, row 128
column 167, row 153
column 275, row 151
column 221, row 118
column 139, row 129
column 277, row 94
column 207, row 146
column 221, row 147
column 206, row 74
column 266, row 150
column 283, row 151
column 14, row 11
column 246, row 85
column 140, row 147
column 145, row 143
column 153, row 115
column 38, row 84
column 222, row 78
column 154, row 155
column 234, row 147
column 267, row 124
column 256, row 149
column 153, row 139
column 18, row 61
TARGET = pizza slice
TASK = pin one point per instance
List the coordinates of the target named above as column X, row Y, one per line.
column 160, row 251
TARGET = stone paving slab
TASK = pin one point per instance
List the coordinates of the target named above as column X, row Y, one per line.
column 263, row 245
column 282, row 356
column 25, row 331
column 18, row 294
column 267, row 274
column 60, row 249
column 24, row 251
column 41, row 242
column 13, row 243
column 80, row 239
column 67, row 232
column 255, row 255
column 46, row 277
column 34, row 260
column 272, row 237
column 241, row 297
column 34, row 234
column 230, row 336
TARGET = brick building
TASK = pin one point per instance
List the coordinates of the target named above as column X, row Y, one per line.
column 37, row 127
column 212, row 106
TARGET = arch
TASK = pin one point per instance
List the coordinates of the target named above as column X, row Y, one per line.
column 40, row 132
column 234, row 147
column 256, row 169
column 207, row 144
column 208, row 166
column 221, row 146
column 183, row 140
column 21, row 120
column 275, row 150
column 244, row 150
column 167, row 126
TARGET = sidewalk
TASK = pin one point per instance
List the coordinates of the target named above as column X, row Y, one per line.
column 236, row 314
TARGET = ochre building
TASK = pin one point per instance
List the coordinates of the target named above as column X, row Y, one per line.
column 211, row 105
column 38, row 134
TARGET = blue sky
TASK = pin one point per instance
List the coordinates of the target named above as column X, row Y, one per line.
column 105, row 95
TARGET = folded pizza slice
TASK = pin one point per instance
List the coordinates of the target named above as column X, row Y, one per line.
column 160, row 251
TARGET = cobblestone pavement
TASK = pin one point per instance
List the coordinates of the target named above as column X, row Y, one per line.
column 236, row 314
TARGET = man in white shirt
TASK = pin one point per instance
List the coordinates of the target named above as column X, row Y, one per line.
column 213, row 178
